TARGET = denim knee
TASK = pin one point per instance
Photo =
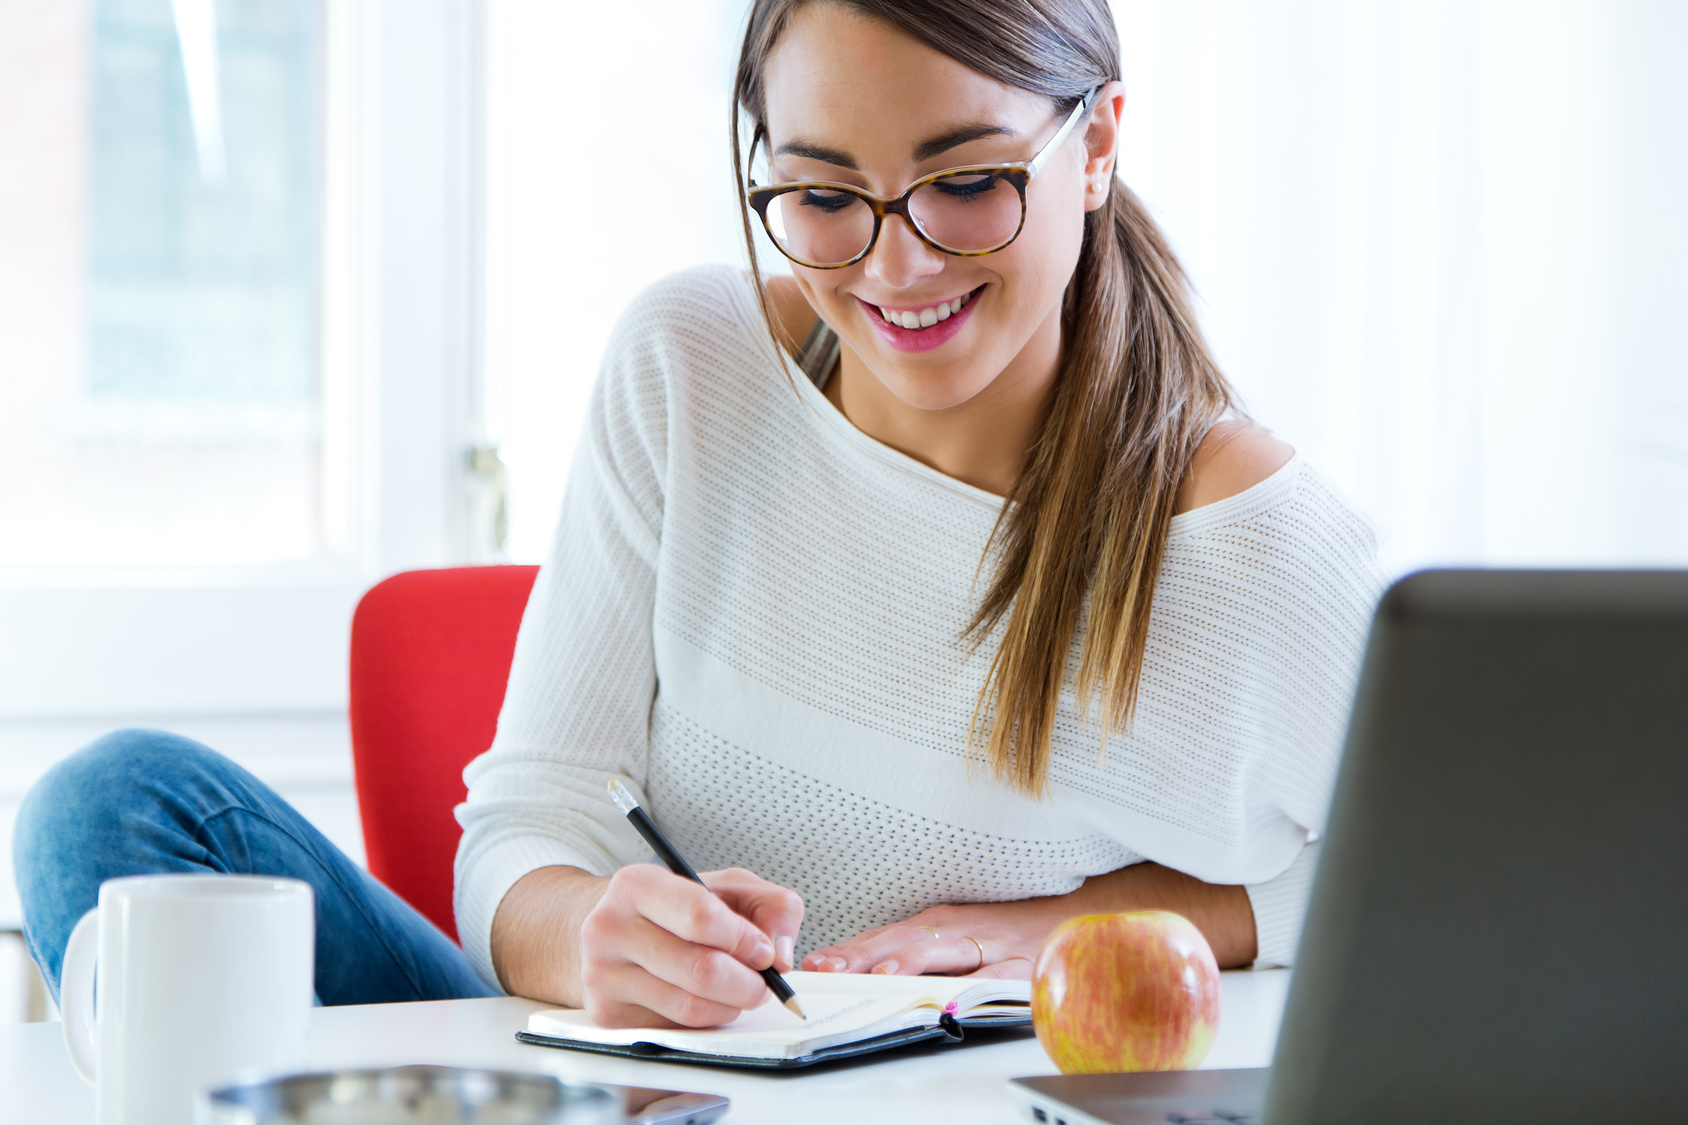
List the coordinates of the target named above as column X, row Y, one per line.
column 103, row 812
column 87, row 794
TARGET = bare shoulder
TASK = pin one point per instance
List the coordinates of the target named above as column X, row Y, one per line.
column 792, row 315
column 1232, row 458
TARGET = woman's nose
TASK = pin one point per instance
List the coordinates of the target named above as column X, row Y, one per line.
column 899, row 259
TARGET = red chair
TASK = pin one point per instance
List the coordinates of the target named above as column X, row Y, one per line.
column 431, row 654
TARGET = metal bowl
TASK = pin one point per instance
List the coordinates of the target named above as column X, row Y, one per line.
column 412, row 1095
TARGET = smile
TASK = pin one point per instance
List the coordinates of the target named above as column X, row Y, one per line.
column 922, row 329
column 924, row 318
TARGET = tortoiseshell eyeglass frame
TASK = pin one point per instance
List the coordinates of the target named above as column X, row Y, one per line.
column 1019, row 174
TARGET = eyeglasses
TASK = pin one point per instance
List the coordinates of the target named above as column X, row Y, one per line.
column 968, row 211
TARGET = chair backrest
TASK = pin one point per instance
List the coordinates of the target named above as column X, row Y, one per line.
column 431, row 653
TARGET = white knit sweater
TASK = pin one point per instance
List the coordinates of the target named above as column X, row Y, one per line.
column 751, row 613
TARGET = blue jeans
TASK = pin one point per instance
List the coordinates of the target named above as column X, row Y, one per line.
column 143, row 802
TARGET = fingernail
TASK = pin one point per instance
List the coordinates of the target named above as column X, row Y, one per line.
column 788, row 949
column 837, row 964
column 886, row 967
column 763, row 954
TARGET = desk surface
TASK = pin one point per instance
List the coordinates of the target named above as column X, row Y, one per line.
column 38, row 1086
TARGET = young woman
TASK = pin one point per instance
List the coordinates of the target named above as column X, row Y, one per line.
column 986, row 617
column 932, row 595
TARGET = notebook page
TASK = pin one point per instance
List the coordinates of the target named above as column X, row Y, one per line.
column 939, row 992
column 767, row 1032
column 842, row 1008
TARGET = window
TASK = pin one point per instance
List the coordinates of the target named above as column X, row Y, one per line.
column 236, row 309
column 170, row 411
column 234, row 349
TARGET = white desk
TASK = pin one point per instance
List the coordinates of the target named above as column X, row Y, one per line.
column 38, row 1086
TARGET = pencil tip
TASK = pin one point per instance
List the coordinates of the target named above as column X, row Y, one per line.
column 622, row 798
column 792, row 1004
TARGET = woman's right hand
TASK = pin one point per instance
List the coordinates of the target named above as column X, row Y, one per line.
column 649, row 949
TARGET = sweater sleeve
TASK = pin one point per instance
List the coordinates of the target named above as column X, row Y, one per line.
column 1316, row 561
column 1279, row 905
column 576, row 711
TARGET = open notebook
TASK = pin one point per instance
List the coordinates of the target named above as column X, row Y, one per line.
column 849, row 1015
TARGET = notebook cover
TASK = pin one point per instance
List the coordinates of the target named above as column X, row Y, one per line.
column 947, row 1031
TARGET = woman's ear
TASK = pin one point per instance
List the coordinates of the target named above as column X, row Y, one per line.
column 1101, row 143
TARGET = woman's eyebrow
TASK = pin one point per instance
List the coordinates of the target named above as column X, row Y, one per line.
column 926, row 150
column 960, row 135
column 803, row 150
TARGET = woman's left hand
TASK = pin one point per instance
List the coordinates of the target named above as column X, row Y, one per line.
column 1002, row 939
column 982, row 940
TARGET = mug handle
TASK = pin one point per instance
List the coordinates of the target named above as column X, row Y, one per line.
column 76, row 996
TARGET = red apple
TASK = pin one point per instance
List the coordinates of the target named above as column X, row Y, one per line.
column 1115, row 992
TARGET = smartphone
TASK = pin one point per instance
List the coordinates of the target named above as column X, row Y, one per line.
column 668, row 1107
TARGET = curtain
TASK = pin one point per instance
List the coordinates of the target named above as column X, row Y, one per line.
column 1442, row 250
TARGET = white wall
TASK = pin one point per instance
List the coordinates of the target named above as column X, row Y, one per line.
column 585, row 105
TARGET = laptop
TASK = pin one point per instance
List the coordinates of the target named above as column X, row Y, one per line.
column 1498, row 930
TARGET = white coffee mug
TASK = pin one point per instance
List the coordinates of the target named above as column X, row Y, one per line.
column 202, row 978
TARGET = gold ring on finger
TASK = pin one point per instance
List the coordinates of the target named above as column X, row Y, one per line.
column 981, row 950
column 936, row 936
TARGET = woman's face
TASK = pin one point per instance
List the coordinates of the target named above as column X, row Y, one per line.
column 852, row 100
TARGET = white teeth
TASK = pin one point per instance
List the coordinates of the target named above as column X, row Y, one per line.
column 925, row 318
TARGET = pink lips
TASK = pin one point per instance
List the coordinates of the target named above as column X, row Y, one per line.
column 919, row 339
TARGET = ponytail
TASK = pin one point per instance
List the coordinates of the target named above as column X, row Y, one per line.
column 1080, row 544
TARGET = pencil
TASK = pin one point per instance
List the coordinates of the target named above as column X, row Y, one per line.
column 647, row 828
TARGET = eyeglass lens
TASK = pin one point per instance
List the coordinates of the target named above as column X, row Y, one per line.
column 967, row 212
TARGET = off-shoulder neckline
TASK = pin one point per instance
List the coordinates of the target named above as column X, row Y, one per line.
column 1232, row 509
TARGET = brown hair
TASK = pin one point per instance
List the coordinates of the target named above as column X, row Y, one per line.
column 1079, row 544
